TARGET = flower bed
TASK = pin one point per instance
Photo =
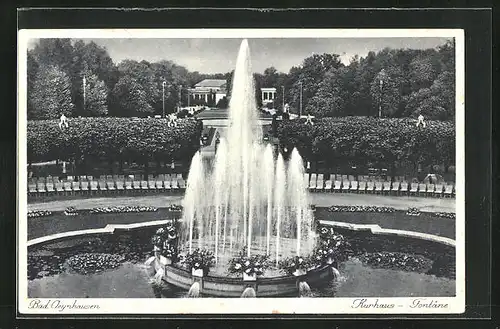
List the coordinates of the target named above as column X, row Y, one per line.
column 449, row 215
column 361, row 209
column 397, row 261
column 413, row 212
column 39, row 213
column 175, row 207
column 94, row 262
column 71, row 211
column 248, row 265
column 297, row 265
column 199, row 259
column 122, row 209
column 165, row 239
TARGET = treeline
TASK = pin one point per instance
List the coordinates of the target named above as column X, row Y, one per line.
column 399, row 82
column 370, row 142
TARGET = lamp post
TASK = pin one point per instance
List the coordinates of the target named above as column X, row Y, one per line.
column 283, row 91
column 380, row 99
column 180, row 100
column 300, row 108
column 163, row 97
column 84, row 93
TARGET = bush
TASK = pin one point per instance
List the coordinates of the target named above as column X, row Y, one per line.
column 112, row 138
column 364, row 140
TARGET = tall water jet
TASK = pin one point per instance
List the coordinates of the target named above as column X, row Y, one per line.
column 246, row 194
column 279, row 201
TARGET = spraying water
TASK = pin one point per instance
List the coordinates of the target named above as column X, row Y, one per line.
column 251, row 197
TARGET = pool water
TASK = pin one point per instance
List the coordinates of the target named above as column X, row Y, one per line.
column 50, row 276
column 131, row 280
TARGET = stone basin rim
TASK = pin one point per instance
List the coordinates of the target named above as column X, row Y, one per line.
column 112, row 228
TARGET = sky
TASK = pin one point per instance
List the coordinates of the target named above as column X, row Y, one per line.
column 219, row 55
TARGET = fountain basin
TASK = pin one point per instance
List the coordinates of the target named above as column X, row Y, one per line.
column 214, row 286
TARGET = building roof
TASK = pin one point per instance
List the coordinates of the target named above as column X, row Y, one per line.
column 214, row 83
column 268, row 89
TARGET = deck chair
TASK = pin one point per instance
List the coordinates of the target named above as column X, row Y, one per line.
column 159, row 184
column 306, row 180
column 344, row 178
column 181, row 181
column 129, row 185
column 93, row 186
column 346, row 185
column 386, row 187
column 395, row 187
column 430, row 190
column 120, row 185
column 144, row 185
column 413, row 189
column 378, row 187
column 328, row 184
column 174, row 183
column 32, row 189
column 110, row 185
column 102, row 184
column 320, row 184
column 370, row 186
column 55, row 187
column 75, row 186
column 338, row 186
column 439, row 190
column 167, row 183
column 362, row 187
column 448, row 190
column 403, row 188
column 312, row 182
column 151, row 183
column 40, row 186
column 422, row 188
column 50, row 187
column 68, row 187
column 136, row 185
column 354, row 186
column 84, row 186
column 351, row 178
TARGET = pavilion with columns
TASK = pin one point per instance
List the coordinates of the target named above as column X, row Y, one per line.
column 268, row 95
column 208, row 91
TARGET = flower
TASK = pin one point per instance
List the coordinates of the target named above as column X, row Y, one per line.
column 237, row 266
column 247, row 263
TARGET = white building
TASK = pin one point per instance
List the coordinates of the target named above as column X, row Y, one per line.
column 208, row 91
column 268, row 95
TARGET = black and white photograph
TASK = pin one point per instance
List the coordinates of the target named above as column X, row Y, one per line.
column 264, row 171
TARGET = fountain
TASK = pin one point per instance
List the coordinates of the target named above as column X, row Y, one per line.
column 247, row 197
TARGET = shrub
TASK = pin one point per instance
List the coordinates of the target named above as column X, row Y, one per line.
column 112, row 138
column 365, row 140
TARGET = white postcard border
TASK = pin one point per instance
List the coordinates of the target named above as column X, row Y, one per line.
column 267, row 306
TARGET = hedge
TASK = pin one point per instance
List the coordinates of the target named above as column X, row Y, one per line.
column 112, row 139
column 361, row 140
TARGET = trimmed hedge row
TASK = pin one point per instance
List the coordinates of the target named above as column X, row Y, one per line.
column 367, row 139
column 113, row 138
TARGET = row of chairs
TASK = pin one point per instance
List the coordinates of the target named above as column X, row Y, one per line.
column 105, row 184
column 316, row 183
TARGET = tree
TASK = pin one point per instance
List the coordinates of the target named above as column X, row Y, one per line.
column 32, row 71
column 223, row 103
column 51, row 94
column 386, row 91
column 332, row 96
column 96, row 97
column 93, row 59
column 131, row 97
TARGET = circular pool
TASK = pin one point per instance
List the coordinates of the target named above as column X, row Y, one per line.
column 111, row 265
